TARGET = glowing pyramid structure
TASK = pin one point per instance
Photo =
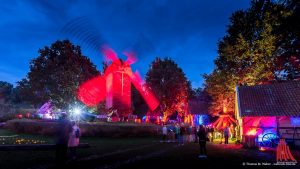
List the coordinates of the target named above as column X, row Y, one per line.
column 283, row 152
column 114, row 85
column 223, row 121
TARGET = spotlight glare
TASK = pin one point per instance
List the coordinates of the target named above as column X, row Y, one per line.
column 77, row 111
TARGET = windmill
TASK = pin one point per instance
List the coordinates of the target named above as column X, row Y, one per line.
column 114, row 86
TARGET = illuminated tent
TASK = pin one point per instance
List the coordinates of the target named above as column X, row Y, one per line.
column 46, row 111
column 45, row 108
column 223, row 121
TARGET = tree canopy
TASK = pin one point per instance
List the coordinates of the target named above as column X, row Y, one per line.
column 257, row 48
column 170, row 85
column 56, row 74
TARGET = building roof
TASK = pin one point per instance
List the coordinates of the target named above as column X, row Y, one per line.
column 279, row 99
column 198, row 106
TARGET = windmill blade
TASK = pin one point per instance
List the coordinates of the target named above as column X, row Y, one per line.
column 145, row 91
column 93, row 91
column 137, row 77
column 85, row 32
column 131, row 57
column 109, row 53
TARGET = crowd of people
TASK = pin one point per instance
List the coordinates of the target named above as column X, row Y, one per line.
column 184, row 133
column 68, row 134
column 180, row 133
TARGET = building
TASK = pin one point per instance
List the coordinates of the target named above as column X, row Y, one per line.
column 269, row 112
column 197, row 112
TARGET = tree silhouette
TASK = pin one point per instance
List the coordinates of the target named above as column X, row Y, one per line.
column 168, row 82
column 56, row 74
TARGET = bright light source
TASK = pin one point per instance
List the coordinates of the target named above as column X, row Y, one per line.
column 77, row 111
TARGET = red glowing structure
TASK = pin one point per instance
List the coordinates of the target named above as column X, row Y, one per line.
column 225, row 120
column 283, row 152
column 115, row 85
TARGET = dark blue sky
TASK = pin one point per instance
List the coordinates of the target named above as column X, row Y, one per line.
column 187, row 31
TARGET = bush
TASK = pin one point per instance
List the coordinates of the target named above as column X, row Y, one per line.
column 104, row 129
column 98, row 129
column 32, row 126
column 9, row 112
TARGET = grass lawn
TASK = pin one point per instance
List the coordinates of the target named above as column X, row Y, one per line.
column 140, row 153
column 99, row 146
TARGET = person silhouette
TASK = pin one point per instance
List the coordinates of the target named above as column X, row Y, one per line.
column 202, row 141
column 226, row 134
column 62, row 132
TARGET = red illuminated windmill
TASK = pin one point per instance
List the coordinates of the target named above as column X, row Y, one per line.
column 115, row 85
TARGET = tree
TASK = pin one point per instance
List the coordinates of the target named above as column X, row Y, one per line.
column 6, row 90
column 24, row 93
column 221, row 89
column 139, row 106
column 248, row 50
column 288, row 52
column 248, row 53
column 56, row 74
column 170, row 85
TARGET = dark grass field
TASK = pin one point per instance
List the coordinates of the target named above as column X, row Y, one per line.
column 140, row 153
column 170, row 155
column 44, row 159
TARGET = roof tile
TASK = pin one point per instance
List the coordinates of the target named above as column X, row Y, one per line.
column 279, row 99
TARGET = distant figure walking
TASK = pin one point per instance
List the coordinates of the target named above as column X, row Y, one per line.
column 181, row 134
column 212, row 134
column 63, row 129
column 164, row 132
column 194, row 130
column 74, row 140
column 226, row 134
column 176, row 132
column 202, row 141
column 189, row 134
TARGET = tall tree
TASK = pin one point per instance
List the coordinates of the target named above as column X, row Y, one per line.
column 170, row 85
column 220, row 87
column 288, row 52
column 248, row 53
column 56, row 74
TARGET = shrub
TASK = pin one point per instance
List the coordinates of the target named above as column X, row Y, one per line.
column 98, row 129
column 32, row 126
column 9, row 112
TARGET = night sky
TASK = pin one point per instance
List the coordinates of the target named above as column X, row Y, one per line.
column 187, row 31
